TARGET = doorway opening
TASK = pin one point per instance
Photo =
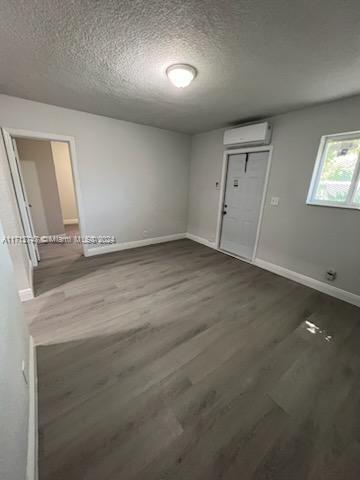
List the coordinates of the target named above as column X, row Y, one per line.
column 243, row 190
column 45, row 182
column 45, row 167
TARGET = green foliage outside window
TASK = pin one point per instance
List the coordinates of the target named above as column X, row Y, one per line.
column 340, row 166
column 338, row 169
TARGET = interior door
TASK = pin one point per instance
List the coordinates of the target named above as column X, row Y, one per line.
column 244, row 189
column 20, row 192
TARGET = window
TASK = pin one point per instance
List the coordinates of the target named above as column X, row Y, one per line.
column 336, row 177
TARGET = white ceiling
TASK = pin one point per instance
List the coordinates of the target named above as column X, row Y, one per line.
column 254, row 57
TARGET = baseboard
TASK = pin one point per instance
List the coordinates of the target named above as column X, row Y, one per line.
column 203, row 241
column 310, row 282
column 26, row 294
column 291, row 275
column 284, row 272
column 115, row 247
column 32, row 453
column 71, row 221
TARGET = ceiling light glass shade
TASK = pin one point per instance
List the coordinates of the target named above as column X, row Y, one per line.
column 181, row 75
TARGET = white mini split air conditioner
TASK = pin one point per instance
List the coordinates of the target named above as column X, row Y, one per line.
column 249, row 135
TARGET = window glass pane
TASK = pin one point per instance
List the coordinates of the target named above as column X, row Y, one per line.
column 337, row 170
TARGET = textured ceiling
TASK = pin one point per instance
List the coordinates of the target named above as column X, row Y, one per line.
column 254, row 57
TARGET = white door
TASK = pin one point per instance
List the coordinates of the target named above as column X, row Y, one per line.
column 33, row 192
column 19, row 187
column 244, row 189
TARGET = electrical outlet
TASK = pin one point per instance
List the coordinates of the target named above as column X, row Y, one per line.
column 274, row 202
column 331, row 275
column 23, row 370
column 145, row 233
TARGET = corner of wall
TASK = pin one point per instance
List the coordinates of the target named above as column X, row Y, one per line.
column 188, row 183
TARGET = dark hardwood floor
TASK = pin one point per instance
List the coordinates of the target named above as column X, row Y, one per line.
column 175, row 361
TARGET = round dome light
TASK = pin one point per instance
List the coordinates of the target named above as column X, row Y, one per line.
column 181, row 75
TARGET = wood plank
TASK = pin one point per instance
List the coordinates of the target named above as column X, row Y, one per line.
column 175, row 361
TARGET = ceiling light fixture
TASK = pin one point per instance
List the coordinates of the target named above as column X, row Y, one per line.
column 181, row 75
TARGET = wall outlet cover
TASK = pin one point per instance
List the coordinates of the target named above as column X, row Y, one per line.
column 331, row 275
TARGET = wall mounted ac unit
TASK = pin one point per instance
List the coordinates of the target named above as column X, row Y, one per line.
column 249, row 135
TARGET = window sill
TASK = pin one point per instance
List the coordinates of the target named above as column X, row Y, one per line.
column 332, row 205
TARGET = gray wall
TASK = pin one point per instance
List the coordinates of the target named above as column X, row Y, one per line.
column 207, row 151
column 306, row 239
column 133, row 177
column 40, row 153
column 14, row 395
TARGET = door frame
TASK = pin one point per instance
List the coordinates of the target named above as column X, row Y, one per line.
column 227, row 153
column 20, row 195
column 33, row 135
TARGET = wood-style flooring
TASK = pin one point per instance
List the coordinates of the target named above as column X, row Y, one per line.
column 175, row 361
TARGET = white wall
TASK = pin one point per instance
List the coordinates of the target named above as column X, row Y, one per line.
column 133, row 177
column 14, row 394
column 302, row 238
column 64, row 178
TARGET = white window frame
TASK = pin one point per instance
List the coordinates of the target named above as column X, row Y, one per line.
column 320, row 159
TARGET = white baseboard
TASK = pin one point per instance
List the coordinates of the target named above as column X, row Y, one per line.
column 203, row 241
column 32, row 453
column 26, row 294
column 291, row 275
column 310, row 282
column 71, row 221
column 115, row 247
